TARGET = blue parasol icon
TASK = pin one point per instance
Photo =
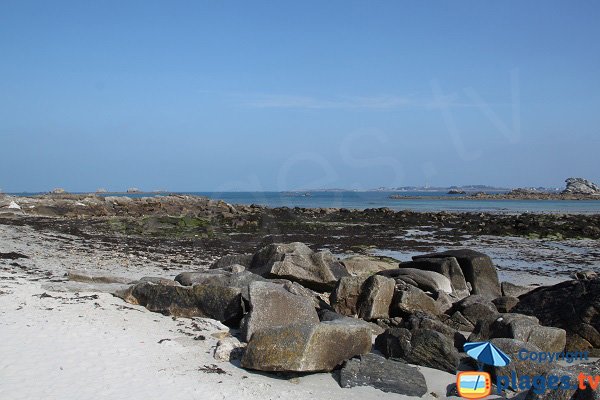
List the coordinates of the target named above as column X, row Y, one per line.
column 487, row 353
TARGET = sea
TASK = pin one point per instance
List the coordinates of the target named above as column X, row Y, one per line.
column 376, row 199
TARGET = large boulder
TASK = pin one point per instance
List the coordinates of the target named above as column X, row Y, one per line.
column 385, row 375
column 477, row 268
column 409, row 299
column 572, row 305
column 297, row 262
column 306, row 347
column 328, row 315
column 428, row 281
column 394, row 342
column 376, row 298
column 368, row 265
column 271, row 305
column 344, row 296
column 433, row 349
column 448, row 267
column 216, row 302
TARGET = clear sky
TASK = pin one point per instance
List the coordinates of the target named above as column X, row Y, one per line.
column 278, row 95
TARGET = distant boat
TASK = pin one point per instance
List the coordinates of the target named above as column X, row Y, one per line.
column 297, row 194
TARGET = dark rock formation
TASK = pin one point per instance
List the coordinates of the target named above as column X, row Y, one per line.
column 217, row 302
column 573, row 306
column 344, row 296
column 385, row 375
column 477, row 269
column 375, row 298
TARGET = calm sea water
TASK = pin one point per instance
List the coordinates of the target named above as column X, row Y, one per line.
column 362, row 200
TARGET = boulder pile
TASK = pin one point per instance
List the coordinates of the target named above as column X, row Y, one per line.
column 300, row 310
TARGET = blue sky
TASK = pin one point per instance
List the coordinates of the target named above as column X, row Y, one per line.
column 263, row 95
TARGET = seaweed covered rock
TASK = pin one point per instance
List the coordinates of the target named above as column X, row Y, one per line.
column 216, row 302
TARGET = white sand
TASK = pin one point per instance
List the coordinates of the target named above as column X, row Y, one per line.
column 72, row 346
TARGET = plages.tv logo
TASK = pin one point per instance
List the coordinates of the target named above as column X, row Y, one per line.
column 478, row 384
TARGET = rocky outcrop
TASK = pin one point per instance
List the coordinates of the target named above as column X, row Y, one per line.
column 221, row 303
column 573, row 306
column 306, row 347
column 271, row 305
column 385, row 375
column 477, row 269
column 297, row 262
column 581, row 186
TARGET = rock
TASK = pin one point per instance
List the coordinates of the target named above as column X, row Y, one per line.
column 12, row 255
column 78, row 276
column 409, row 299
column 585, row 275
column 229, row 349
column 271, row 305
column 475, row 308
column 459, row 322
column 220, row 303
column 568, row 392
column 240, row 280
column 328, row 315
column 158, row 280
column 448, row 267
column 511, row 348
column 523, row 328
column 305, row 347
column 345, row 295
column 443, row 301
column 319, row 271
column 424, row 280
column 477, row 269
column 505, row 303
column 368, row 265
column 394, row 342
column 376, row 298
column 433, row 349
column 580, row 186
column 58, row 191
column 425, row 321
column 385, row 375
column 510, row 289
column 232, row 259
column 572, row 305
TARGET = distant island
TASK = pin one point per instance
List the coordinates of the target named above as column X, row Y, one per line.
column 575, row 189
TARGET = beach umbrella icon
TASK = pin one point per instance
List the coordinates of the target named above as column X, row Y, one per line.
column 487, row 353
